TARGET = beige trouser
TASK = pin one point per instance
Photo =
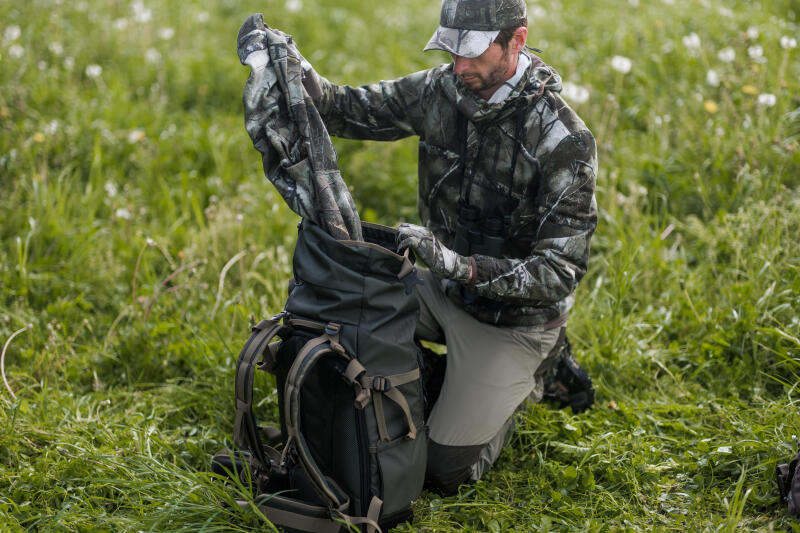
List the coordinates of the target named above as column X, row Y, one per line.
column 490, row 372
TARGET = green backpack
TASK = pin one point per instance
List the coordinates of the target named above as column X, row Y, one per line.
column 350, row 397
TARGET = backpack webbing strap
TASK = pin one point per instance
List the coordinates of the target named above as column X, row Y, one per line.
column 245, row 429
column 371, row 520
column 304, row 323
column 305, row 360
column 368, row 386
column 287, row 512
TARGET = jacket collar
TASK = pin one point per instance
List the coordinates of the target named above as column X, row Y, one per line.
column 538, row 77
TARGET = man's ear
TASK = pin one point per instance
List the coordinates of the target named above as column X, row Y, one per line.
column 519, row 38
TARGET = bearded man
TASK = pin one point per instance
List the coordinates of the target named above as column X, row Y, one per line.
column 506, row 198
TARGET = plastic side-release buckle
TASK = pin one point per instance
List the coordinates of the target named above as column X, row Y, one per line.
column 381, row 383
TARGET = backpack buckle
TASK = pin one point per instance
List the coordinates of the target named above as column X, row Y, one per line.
column 381, row 384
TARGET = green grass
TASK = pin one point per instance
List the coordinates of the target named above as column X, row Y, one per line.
column 125, row 195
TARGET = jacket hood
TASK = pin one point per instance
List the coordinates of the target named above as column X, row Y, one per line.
column 538, row 78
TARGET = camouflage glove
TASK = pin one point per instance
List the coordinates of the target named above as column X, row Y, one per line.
column 252, row 48
column 440, row 259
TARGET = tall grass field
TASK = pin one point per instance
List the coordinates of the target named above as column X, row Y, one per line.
column 138, row 236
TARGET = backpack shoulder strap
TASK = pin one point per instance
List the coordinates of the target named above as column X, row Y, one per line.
column 308, row 356
column 245, row 430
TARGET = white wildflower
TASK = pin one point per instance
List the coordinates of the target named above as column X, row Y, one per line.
column 56, row 48
column 12, row 33
column 120, row 24
column 766, row 100
column 727, row 54
column 16, row 51
column 202, row 16
column 143, row 16
column 111, row 188
column 141, row 13
column 152, row 56
column 712, row 78
column 42, row 65
column 150, row 242
column 52, row 127
column 633, row 3
column 621, row 64
column 166, row 33
column 575, row 93
column 788, row 42
column 69, row 62
column 726, row 12
column 752, row 32
column 123, row 213
column 94, row 71
column 667, row 47
column 756, row 53
column 136, row 135
column 239, row 217
column 294, row 6
column 691, row 41
column 669, row 2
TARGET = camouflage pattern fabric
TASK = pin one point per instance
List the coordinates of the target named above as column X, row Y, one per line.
column 280, row 117
column 440, row 259
column 482, row 15
column 549, row 194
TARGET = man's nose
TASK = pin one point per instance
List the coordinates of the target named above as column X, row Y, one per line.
column 460, row 64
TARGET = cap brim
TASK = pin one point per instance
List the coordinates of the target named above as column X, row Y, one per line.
column 464, row 43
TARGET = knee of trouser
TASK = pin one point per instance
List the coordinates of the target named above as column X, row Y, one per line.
column 449, row 466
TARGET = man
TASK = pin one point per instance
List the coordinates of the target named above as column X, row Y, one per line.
column 506, row 198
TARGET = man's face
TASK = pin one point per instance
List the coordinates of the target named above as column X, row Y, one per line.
column 485, row 72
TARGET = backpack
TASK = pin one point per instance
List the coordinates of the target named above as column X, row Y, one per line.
column 788, row 478
column 350, row 397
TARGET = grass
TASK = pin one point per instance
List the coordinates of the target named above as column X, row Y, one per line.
column 139, row 236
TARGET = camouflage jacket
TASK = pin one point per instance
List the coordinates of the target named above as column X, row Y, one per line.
column 549, row 193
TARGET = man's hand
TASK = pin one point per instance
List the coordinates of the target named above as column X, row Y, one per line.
column 252, row 50
column 440, row 259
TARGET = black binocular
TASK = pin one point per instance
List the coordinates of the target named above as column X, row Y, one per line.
column 477, row 235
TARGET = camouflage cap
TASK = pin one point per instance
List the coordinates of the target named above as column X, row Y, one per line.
column 468, row 27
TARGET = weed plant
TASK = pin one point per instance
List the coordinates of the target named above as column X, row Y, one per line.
column 139, row 236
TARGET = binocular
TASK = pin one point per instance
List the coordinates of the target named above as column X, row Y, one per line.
column 477, row 235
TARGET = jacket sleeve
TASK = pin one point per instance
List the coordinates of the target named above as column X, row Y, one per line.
column 560, row 228
column 383, row 111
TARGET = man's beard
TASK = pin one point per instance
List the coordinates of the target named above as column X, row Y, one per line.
column 477, row 83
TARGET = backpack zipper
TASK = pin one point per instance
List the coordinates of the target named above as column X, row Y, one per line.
column 363, row 460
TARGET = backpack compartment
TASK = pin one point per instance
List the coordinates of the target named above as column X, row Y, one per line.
column 350, row 395
column 359, row 285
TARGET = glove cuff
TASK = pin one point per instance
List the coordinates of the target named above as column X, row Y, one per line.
column 465, row 269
